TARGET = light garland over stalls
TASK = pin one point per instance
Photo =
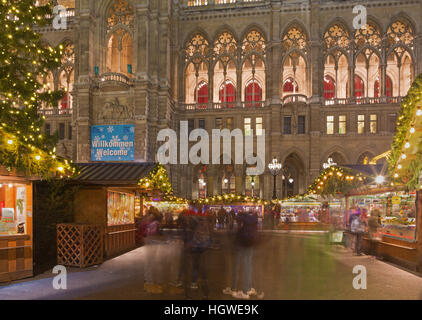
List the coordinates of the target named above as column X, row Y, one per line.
column 405, row 162
column 336, row 180
column 229, row 198
column 23, row 60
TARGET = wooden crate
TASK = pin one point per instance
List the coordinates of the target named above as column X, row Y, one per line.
column 79, row 245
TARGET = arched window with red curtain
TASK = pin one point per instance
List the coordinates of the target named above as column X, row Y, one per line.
column 290, row 86
column 228, row 93
column 388, row 87
column 359, row 87
column 329, row 88
column 201, row 94
column 64, row 103
column 253, row 93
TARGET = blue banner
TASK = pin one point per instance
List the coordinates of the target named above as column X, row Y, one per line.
column 113, row 143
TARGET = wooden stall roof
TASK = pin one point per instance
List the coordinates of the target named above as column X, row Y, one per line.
column 114, row 174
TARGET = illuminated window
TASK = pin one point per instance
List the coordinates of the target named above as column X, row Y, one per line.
column 342, row 123
column 330, row 124
column 258, row 126
column 248, row 126
column 361, row 124
column 373, row 123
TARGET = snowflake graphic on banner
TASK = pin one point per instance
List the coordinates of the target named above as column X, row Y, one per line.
column 110, row 129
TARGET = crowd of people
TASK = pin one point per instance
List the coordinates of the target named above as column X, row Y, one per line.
column 197, row 237
column 178, row 260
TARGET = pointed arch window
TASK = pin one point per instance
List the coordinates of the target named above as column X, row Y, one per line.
column 120, row 25
column 290, row 86
column 388, row 87
column 253, row 93
column 228, row 93
column 201, row 93
column 120, row 52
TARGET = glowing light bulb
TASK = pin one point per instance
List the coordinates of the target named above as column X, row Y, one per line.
column 412, row 130
column 399, row 166
column 403, row 156
column 407, row 145
column 37, row 158
column 419, row 112
column 10, row 141
column 60, row 169
column 379, row 180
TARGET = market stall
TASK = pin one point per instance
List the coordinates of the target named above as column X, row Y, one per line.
column 15, row 226
column 110, row 196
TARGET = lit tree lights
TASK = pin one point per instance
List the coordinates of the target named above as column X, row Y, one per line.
column 336, row 180
column 406, row 156
column 23, row 60
column 157, row 179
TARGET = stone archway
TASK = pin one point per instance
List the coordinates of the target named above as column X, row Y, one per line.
column 293, row 175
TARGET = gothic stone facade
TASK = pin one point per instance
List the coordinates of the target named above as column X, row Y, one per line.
column 281, row 65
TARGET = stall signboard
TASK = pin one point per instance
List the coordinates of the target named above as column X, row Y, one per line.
column 113, row 143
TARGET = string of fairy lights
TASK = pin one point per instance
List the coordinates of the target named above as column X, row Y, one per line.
column 409, row 116
column 24, row 59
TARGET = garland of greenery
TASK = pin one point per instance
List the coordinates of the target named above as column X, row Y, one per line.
column 404, row 124
column 229, row 198
column 336, row 180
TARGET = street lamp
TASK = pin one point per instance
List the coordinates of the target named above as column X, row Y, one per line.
column 275, row 168
column 252, row 184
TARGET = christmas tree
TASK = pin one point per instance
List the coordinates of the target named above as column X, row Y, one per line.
column 24, row 60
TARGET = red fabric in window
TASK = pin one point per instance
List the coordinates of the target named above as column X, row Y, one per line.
column 290, row 86
column 253, row 92
column 228, row 93
column 359, row 87
column 377, row 89
column 329, row 88
column 203, row 94
column 388, row 88
column 64, row 103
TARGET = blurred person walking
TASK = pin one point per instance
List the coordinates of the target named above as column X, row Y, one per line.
column 358, row 228
column 200, row 243
column 246, row 238
column 154, row 241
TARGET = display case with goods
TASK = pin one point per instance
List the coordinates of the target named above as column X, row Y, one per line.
column 15, row 227
column 396, row 212
column 120, row 208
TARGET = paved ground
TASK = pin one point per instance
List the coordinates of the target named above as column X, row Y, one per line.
column 286, row 266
